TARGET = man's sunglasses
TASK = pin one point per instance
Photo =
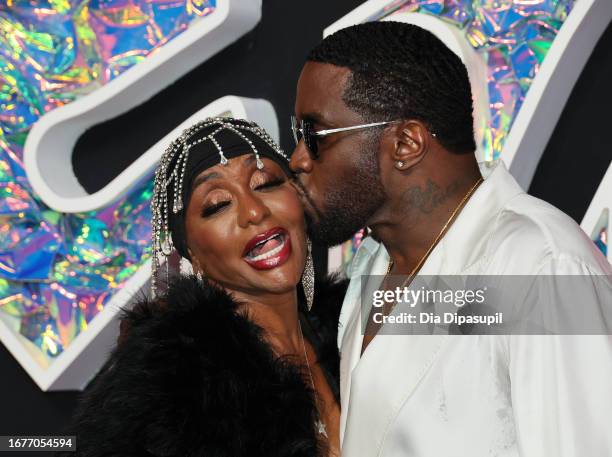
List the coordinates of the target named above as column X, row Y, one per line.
column 304, row 129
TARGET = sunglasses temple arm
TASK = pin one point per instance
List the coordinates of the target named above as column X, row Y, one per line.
column 346, row 129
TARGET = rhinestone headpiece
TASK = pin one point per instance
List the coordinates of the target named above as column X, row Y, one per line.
column 176, row 156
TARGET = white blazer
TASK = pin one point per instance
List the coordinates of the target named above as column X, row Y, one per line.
column 481, row 396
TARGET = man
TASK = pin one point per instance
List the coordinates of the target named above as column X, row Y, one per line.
column 407, row 171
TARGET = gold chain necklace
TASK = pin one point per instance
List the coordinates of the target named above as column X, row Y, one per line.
column 318, row 423
column 437, row 239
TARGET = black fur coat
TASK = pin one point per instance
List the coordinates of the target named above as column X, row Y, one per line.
column 193, row 377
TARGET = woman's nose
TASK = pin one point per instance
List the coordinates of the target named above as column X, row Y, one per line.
column 252, row 210
column 301, row 161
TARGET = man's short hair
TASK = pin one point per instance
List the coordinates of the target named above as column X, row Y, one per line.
column 401, row 71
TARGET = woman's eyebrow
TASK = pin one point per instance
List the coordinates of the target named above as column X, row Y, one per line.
column 203, row 178
column 249, row 160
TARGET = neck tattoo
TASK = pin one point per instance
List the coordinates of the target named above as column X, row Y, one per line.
column 440, row 235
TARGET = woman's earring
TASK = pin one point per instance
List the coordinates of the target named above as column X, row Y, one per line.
column 400, row 164
column 308, row 277
column 199, row 276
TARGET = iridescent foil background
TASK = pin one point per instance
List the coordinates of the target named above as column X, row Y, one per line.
column 513, row 36
column 57, row 271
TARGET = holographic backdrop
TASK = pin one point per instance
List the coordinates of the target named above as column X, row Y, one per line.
column 57, row 271
column 513, row 37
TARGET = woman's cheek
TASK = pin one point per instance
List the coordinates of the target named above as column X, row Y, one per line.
column 211, row 236
column 290, row 211
column 292, row 205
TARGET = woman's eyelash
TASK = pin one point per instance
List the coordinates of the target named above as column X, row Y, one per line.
column 272, row 183
column 212, row 209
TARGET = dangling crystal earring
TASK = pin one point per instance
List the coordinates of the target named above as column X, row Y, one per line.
column 308, row 277
column 199, row 276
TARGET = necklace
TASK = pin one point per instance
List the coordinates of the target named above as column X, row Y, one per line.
column 437, row 239
column 321, row 430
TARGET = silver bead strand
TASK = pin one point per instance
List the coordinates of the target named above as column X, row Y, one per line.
column 262, row 134
column 259, row 163
column 159, row 195
column 177, row 203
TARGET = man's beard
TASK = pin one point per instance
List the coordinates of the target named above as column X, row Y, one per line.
column 348, row 207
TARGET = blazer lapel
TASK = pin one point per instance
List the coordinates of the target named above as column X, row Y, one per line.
column 371, row 259
column 385, row 359
column 385, row 377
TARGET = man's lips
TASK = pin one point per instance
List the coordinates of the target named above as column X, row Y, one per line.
column 309, row 205
column 268, row 250
column 299, row 187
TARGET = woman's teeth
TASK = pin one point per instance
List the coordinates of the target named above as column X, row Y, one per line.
column 280, row 239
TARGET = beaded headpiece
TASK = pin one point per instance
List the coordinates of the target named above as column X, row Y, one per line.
column 242, row 136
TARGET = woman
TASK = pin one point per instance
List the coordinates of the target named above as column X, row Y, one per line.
column 227, row 361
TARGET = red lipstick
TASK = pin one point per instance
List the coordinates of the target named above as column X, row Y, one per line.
column 268, row 250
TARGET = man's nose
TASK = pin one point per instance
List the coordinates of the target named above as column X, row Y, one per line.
column 252, row 210
column 301, row 161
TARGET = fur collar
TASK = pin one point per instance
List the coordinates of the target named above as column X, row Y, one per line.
column 193, row 376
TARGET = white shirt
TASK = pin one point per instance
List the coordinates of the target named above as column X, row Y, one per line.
column 477, row 396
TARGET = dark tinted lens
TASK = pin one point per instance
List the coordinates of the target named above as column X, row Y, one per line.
column 310, row 139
